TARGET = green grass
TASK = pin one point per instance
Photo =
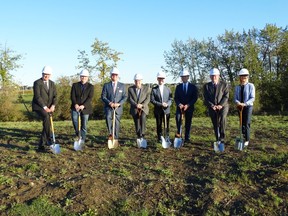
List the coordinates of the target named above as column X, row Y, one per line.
column 192, row 180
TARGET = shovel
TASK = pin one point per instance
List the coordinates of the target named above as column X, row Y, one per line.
column 112, row 142
column 178, row 141
column 141, row 142
column 218, row 145
column 78, row 145
column 55, row 148
column 165, row 142
column 239, row 142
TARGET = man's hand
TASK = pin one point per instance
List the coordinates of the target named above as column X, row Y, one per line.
column 139, row 106
column 185, row 107
column 52, row 108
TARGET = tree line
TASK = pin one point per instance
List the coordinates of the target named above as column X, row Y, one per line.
column 263, row 52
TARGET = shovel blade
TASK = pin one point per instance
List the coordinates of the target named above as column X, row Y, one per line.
column 239, row 144
column 216, row 146
column 178, row 142
column 142, row 143
column 221, row 147
column 113, row 144
column 165, row 144
column 55, row 148
column 78, row 145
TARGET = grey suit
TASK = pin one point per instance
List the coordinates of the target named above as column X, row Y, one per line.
column 159, row 110
column 218, row 97
column 109, row 96
column 139, row 116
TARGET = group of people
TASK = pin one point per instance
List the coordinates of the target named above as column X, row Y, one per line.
column 114, row 95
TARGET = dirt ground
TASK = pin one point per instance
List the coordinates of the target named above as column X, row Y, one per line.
column 192, row 180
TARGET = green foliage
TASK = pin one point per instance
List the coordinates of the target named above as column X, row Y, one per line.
column 105, row 58
column 63, row 87
column 9, row 108
column 39, row 206
column 263, row 52
column 8, row 62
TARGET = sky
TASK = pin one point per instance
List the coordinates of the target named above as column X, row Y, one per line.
column 51, row 32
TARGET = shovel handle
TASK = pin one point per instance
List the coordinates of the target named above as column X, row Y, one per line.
column 79, row 124
column 52, row 126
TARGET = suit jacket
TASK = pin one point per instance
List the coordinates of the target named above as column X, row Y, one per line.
column 42, row 96
column 249, row 94
column 144, row 99
column 157, row 100
column 108, row 96
column 186, row 98
column 82, row 97
column 219, row 98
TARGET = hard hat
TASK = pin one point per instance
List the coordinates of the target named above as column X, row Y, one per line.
column 114, row 70
column 138, row 77
column 214, row 71
column 184, row 72
column 161, row 74
column 47, row 70
column 243, row 72
column 84, row 73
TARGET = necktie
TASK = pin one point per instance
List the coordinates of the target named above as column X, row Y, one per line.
column 185, row 87
column 215, row 88
column 138, row 93
column 114, row 87
column 46, row 84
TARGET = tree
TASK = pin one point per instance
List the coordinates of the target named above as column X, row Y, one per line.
column 8, row 62
column 105, row 58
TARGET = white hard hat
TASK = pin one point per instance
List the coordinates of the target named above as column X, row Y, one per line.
column 84, row 72
column 138, row 77
column 47, row 70
column 243, row 72
column 184, row 72
column 161, row 74
column 114, row 70
column 214, row 71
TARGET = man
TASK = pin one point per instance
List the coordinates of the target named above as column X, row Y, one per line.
column 216, row 95
column 244, row 98
column 81, row 97
column 186, row 95
column 114, row 96
column 161, row 98
column 44, row 101
column 139, row 98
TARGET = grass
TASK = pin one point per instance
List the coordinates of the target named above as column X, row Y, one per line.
column 192, row 180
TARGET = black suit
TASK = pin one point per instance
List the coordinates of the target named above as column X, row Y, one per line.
column 159, row 110
column 44, row 97
column 217, row 96
column 181, row 97
column 81, row 94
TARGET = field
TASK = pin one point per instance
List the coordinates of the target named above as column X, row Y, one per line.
column 193, row 180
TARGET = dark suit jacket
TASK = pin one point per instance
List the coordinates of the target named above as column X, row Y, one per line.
column 82, row 97
column 108, row 96
column 157, row 100
column 221, row 96
column 144, row 99
column 186, row 98
column 42, row 96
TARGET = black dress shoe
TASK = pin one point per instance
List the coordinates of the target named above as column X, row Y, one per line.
column 187, row 141
column 41, row 148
